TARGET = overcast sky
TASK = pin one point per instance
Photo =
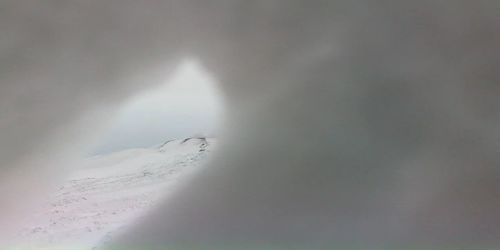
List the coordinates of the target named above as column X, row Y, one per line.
column 187, row 104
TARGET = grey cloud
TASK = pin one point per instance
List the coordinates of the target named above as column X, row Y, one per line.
column 349, row 121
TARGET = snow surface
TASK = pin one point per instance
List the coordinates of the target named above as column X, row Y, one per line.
column 109, row 192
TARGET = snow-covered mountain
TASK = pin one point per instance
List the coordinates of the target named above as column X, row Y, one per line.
column 109, row 192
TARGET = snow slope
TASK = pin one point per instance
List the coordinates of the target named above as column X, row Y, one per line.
column 109, row 192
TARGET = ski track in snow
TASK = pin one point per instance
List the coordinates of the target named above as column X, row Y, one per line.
column 110, row 192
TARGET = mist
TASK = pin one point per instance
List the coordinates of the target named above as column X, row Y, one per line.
column 188, row 104
column 348, row 122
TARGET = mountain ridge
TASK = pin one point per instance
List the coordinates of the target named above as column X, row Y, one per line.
column 111, row 191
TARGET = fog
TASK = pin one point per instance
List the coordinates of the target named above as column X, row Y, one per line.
column 348, row 122
column 188, row 103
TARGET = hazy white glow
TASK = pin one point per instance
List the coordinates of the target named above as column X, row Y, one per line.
column 187, row 104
